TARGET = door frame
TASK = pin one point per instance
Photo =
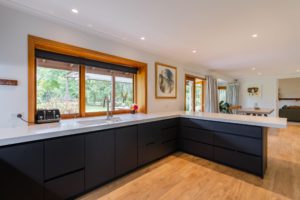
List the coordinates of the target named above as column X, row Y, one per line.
column 193, row 78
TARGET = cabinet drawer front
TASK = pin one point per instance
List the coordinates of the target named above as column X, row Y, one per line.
column 198, row 135
column 148, row 133
column 168, row 147
column 196, row 148
column 242, row 161
column 65, row 187
column 148, row 153
column 239, row 143
column 63, row 155
column 169, row 134
column 169, row 123
column 196, row 123
column 126, row 150
column 238, row 129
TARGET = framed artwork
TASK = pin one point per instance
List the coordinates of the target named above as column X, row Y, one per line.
column 165, row 81
column 254, row 91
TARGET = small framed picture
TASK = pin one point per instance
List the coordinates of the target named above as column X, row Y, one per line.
column 165, row 81
column 254, row 91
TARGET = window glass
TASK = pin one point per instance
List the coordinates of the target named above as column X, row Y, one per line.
column 123, row 92
column 98, row 84
column 198, row 95
column 57, row 86
column 189, row 101
column 222, row 95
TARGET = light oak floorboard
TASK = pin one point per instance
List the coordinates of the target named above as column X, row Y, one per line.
column 184, row 177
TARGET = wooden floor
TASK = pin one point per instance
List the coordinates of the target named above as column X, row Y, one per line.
column 182, row 176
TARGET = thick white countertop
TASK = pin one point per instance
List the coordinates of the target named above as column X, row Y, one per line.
column 22, row 134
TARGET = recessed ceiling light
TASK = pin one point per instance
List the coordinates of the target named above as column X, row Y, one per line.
column 259, row 74
column 254, row 35
column 75, row 11
column 298, row 70
column 194, row 51
column 143, row 38
column 90, row 25
column 253, row 68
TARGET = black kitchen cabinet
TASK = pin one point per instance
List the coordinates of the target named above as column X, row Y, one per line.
column 239, row 143
column 240, row 146
column 21, row 171
column 65, row 187
column 99, row 158
column 249, row 163
column 66, row 167
column 126, row 149
column 197, row 135
column 148, row 142
column 168, row 137
column 156, row 139
column 63, row 155
column 196, row 148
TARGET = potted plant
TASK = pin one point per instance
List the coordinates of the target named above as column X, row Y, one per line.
column 224, row 107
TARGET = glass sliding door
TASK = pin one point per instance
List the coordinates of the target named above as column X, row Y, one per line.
column 199, row 95
column 194, row 93
column 189, row 95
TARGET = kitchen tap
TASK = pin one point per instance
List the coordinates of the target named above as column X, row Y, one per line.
column 109, row 113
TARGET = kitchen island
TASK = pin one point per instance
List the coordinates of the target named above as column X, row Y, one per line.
column 67, row 159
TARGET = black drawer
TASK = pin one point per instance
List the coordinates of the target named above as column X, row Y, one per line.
column 238, row 129
column 239, row 143
column 168, row 147
column 242, row 161
column 148, row 153
column 148, row 133
column 196, row 123
column 169, row 134
column 169, row 123
column 65, row 187
column 63, row 155
column 198, row 135
column 196, row 148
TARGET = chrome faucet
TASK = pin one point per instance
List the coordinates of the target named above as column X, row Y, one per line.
column 109, row 113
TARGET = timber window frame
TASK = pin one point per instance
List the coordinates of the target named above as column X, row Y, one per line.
column 37, row 43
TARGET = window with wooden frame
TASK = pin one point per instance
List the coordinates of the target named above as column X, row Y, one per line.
column 194, row 93
column 222, row 94
column 77, row 80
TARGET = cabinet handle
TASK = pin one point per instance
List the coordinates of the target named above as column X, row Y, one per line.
column 150, row 143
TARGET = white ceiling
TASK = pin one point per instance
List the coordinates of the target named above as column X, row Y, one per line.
column 220, row 30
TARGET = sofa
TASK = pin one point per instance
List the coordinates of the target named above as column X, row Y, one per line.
column 292, row 113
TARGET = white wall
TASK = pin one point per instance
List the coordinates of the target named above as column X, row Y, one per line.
column 269, row 93
column 15, row 27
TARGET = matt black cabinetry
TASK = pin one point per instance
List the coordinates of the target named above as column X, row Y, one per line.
column 64, row 167
column 240, row 146
column 99, row 158
column 156, row 139
column 63, row 155
column 126, row 149
column 21, row 171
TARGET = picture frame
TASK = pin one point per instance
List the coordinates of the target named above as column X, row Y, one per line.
column 165, row 81
column 254, row 90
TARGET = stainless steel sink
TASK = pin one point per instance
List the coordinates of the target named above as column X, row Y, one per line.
column 99, row 121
